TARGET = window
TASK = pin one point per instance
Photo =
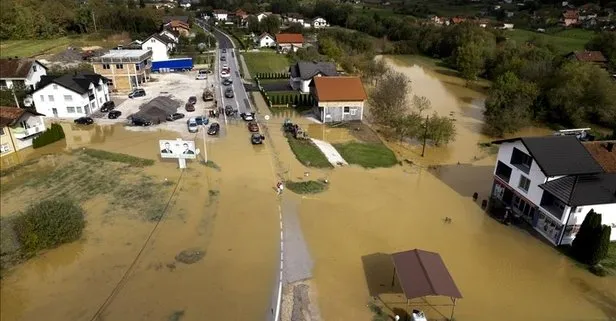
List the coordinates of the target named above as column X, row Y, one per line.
column 55, row 87
column 100, row 100
column 521, row 160
column 110, row 83
column 152, row 41
column 42, row 97
column 119, row 66
column 70, row 110
column 4, row 148
column 68, row 98
column 50, row 97
column 24, row 124
column 3, row 83
column 106, row 66
column 138, row 66
column 354, row 111
column 79, row 110
column 34, row 68
column 346, row 110
column 524, row 183
column 1, row 131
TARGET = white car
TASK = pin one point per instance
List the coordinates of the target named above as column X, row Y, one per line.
column 192, row 125
column 225, row 73
column 201, row 75
column 225, row 66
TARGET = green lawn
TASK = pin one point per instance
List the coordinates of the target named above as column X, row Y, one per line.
column 261, row 62
column 31, row 48
column 306, row 187
column 307, row 153
column 565, row 41
column 368, row 155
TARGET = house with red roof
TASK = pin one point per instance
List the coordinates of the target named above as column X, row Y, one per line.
column 289, row 41
column 570, row 18
column 593, row 57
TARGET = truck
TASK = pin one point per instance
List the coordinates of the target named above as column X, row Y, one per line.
column 208, row 95
column 176, row 64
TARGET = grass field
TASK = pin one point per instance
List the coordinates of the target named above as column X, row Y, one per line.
column 368, row 155
column 32, row 48
column 307, row 153
column 259, row 62
column 565, row 40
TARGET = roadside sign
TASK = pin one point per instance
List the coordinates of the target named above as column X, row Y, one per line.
column 179, row 149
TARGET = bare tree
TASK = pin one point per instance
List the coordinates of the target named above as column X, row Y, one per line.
column 389, row 100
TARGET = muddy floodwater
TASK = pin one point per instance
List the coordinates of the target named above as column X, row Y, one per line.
column 214, row 255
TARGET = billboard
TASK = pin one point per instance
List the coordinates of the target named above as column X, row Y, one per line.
column 177, row 149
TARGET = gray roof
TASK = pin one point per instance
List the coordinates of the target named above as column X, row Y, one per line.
column 162, row 38
column 158, row 108
column 79, row 83
column 308, row 69
column 559, row 155
column 584, row 189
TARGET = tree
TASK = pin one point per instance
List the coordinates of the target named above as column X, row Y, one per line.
column 421, row 103
column 441, row 130
column 469, row 60
column 270, row 24
column 508, row 104
column 328, row 47
column 295, row 28
column 141, row 3
column 585, row 243
column 408, row 125
column 253, row 24
column 604, row 244
column 375, row 69
column 605, row 42
column 388, row 100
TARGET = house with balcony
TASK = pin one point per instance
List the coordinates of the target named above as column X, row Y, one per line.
column 20, row 73
column 302, row 73
column 552, row 182
column 18, row 127
column 124, row 70
column 71, row 96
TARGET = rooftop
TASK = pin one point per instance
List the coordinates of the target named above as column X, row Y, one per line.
column 79, row 83
column 584, row 189
column 558, row 155
column 289, row 38
column 589, row 56
column 16, row 68
column 601, row 153
column 308, row 69
column 121, row 56
column 339, row 88
column 10, row 115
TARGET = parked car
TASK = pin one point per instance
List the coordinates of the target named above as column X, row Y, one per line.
column 139, row 92
column 225, row 66
column 192, row 125
column 189, row 107
column 248, row 116
column 175, row 116
column 214, row 129
column 224, row 73
column 114, row 114
column 201, row 74
column 229, row 93
column 257, row 139
column 136, row 121
column 253, row 127
column 229, row 111
column 227, row 81
column 84, row 121
column 224, row 50
column 202, row 120
column 108, row 106
column 223, row 58
column 192, row 100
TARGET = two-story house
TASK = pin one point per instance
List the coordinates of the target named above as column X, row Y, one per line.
column 319, row 22
column 552, row 182
column 71, row 96
column 160, row 45
column 20, row 73
column 220, row 15
column 302, row 73
column 265, row 40
column 171, row 34
column 125, row 69
column 181, row 27
column 339, row 98
column 18, row 127
column 289, row 41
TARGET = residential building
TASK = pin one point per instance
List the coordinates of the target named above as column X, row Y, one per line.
column 319, row 22
column 185, row 4
column 160, row 45
column 167, row 19
column 593, row 57
column 552, row 182
column 265, row 40
column 262, row 15
column 436, row 19
column 339, row 98
column 505, row 26
column 71, row 96
column 604, row 153
column 241, row 15
column 171, row 34
column 18, row 127
column 220, row 15
column 569, row 18
column 302, row 73
column 181, row 27
column 456, row 20
column 297, row 18
column 125, row 69
column 22, row 73
column 289, row 41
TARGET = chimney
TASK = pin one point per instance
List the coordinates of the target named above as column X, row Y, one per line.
column 609, row 146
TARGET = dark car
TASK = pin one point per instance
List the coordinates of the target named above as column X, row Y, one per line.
column 248, row 116
column 257, row 139
column 175, row 116
column 189, row 107
column 227, row 81
column 192, row 100
column 229, row 111
column 224, row 50
column 202, row 120
column 114, row 114
column 140, row 92
column 229, row 93
column 108, row 106
column 223, row 58
column 84, row 121
column 253, row 127
column 214, row 129
column 136, row 121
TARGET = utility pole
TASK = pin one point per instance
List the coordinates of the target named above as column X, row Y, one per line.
column 423, row 150
column 15, row 97
column 94, row 20
column 204, row 145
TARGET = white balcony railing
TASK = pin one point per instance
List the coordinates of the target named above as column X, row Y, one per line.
column 25, row 132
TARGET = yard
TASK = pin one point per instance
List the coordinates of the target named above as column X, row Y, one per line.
column 266, row 62
column 307, row 153
column 368, row 155
column 32, row 48
column 565, row 41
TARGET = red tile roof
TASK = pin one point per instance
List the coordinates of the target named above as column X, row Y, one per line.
column 179, row 24
column 571, row 14
column 289, row 38
column 590, row 56
column 457, row 20
column 339, row 88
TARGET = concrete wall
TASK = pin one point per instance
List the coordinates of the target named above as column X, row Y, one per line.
column 336, row 110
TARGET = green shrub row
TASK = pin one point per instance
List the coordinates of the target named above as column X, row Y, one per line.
column 52, row 134
column 48, row 224
column 273, row 75
column 117, row 157
column 293, row 99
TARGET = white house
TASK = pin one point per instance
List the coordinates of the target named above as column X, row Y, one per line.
column 21, row 72
column 262, row 15
column 302, row 73
column 160, row 45
column 171, row 34
column 185, row 4
column 265, row 40
column 319, row 22
column 552, row 182
column 18, row 127
column 71, row 96
column 220, row 15
column 295, row 18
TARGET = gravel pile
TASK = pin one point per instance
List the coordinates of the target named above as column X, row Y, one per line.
column 68, row 55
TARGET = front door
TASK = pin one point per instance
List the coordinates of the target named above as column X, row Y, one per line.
column 55, row 112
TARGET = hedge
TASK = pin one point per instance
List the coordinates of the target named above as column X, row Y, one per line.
column 52, row 134
column 273, row 75
column 48, row 224
column 293, row 99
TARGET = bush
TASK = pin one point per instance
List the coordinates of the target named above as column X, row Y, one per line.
column 598, row 270
column 52, row 134
column 581, row 248
column 307, row 187
column 48, row 224
column 603, row 245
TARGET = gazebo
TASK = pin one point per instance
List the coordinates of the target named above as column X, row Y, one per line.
column 421, row 273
